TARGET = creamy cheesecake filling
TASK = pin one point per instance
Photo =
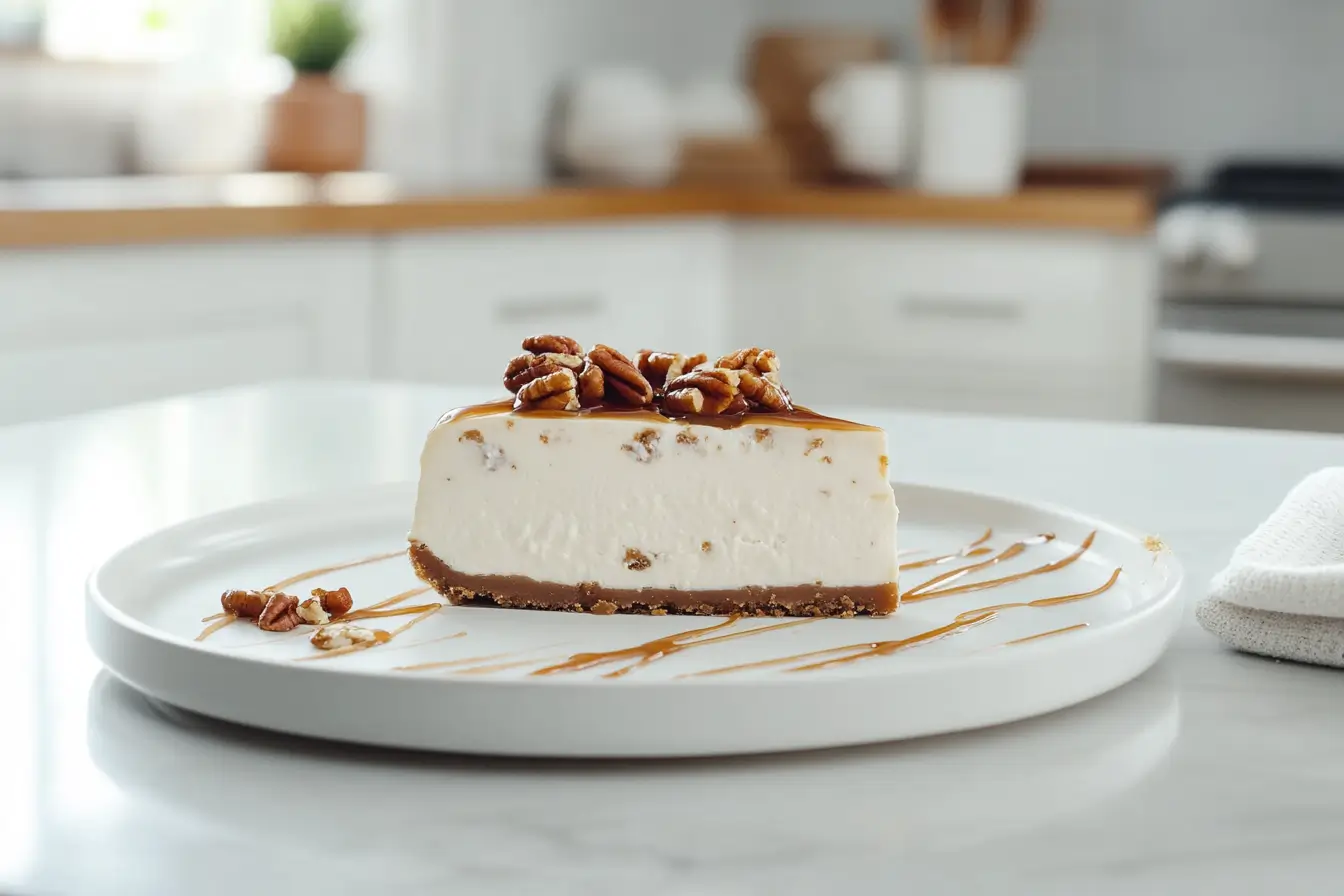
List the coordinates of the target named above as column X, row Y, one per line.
column 631, row 501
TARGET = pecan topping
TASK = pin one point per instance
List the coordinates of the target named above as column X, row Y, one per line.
column 552, row 392
column 637, row 560
column 311, row 612
column 708, row 392
column 561, row 345
column 335, row 603
column 592, row 384
column 762, row 361
column 334, row 637
column 761, row 390
column 542, row 355
column 659, row 367
column 281, row 613
column 621, row 379
column 244, row 604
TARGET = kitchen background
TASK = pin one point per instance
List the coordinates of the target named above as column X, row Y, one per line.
column 1059, row 208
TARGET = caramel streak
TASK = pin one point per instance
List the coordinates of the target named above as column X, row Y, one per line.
column 224, row 615
column 617, row 673
column 659, row 648
column 494, row 667
column 391, row 601
column 314, row 573
column 854, row 651
column 371, row 613
column 469, row 660
column 1050, row 601
column 227, row 620
column 974, row 549
column 1053, row 631
column 1053, row 566
column 952, row 575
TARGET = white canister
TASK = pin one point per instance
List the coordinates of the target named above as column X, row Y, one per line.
column 865, row 111
column 971, row 140
column 620, row 126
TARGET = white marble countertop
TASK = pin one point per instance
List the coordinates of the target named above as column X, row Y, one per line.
column 1213, row 773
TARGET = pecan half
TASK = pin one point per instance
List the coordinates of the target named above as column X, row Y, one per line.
column 552, row 392
column 761, row 390
column 281, row 613
column 709, row 392
column 621, row 379
column 244, row 604
column 659, row 367
column 592, row 384
column 563, row 345
column 762, row 361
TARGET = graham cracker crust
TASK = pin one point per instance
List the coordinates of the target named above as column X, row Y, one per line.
column 519, row 592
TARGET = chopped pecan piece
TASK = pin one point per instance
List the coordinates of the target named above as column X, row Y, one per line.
column 244, row 604
column 621, row 379
column 552, row 392
column 660, row 367
column 709, row 392
column 311, row 612
column 761, row 361
column 334, row 637
column 335, row 603
column 281, row 613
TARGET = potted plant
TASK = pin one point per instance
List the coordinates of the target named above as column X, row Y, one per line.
column 316, row 126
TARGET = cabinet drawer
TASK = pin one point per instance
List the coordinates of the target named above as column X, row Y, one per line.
column 461, row 302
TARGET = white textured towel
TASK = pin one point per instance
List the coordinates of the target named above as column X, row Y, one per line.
column 1282, row 593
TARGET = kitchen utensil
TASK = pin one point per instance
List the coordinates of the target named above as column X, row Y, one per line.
column 865, row 110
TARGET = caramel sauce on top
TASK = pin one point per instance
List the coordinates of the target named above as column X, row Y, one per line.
column 801, row 417
column 659, row 648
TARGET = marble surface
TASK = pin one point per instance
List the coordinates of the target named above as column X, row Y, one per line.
column 1213, row 773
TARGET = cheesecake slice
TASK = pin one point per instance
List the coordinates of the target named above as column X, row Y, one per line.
column 661, row 485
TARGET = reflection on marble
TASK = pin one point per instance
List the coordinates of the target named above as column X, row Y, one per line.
column 1213, row 773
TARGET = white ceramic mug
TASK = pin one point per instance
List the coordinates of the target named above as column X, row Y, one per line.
column 865, row 111
column 971, row 140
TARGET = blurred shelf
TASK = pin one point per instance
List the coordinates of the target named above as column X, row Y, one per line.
column 164, row 210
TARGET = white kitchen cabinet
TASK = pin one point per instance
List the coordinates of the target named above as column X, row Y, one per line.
column 1025, row 322
column 458, row 302
column 83, row 328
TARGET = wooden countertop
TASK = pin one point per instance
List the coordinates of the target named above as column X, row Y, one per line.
column 163, row 210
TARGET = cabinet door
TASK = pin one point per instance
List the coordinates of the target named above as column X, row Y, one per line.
column 1017, row 322
column 90, row 327
column 460, row 302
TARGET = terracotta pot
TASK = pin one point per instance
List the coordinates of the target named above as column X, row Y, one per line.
column 316, row 128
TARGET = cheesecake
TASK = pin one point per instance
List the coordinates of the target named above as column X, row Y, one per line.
column 659, row 484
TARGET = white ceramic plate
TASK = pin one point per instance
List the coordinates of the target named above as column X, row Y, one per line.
column 145, row 607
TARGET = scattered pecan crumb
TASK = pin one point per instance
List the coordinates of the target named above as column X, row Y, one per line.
column 545, row 439
column 637, row 560
column 336, row 603
column 826, row 459
column 280, row 614
column 472, row 435
column 764, row 434
column 882, row 466
column 813, row 446
column 508, row 424
column 686, row 437
column 603, row 608
column 334, row 637
column 658, row 611
column 244, row 604
column 644, row 446
column 311, row 612
column 706, row 547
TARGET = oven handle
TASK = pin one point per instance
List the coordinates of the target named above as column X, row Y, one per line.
column 1243, row 353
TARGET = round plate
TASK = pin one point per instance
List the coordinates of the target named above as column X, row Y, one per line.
column 461, row 679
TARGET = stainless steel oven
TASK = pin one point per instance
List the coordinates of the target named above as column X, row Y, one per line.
column 1251, row 329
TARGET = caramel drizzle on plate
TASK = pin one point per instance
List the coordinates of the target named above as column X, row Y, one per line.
column 380, row 637
column 1049, row 601
column 854, row 652
column 974, row 549
column 659, row 648
column 223, row 620
column 1051, row 633
column 927, row 589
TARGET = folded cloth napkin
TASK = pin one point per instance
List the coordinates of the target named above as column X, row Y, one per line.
column 1282, row 593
